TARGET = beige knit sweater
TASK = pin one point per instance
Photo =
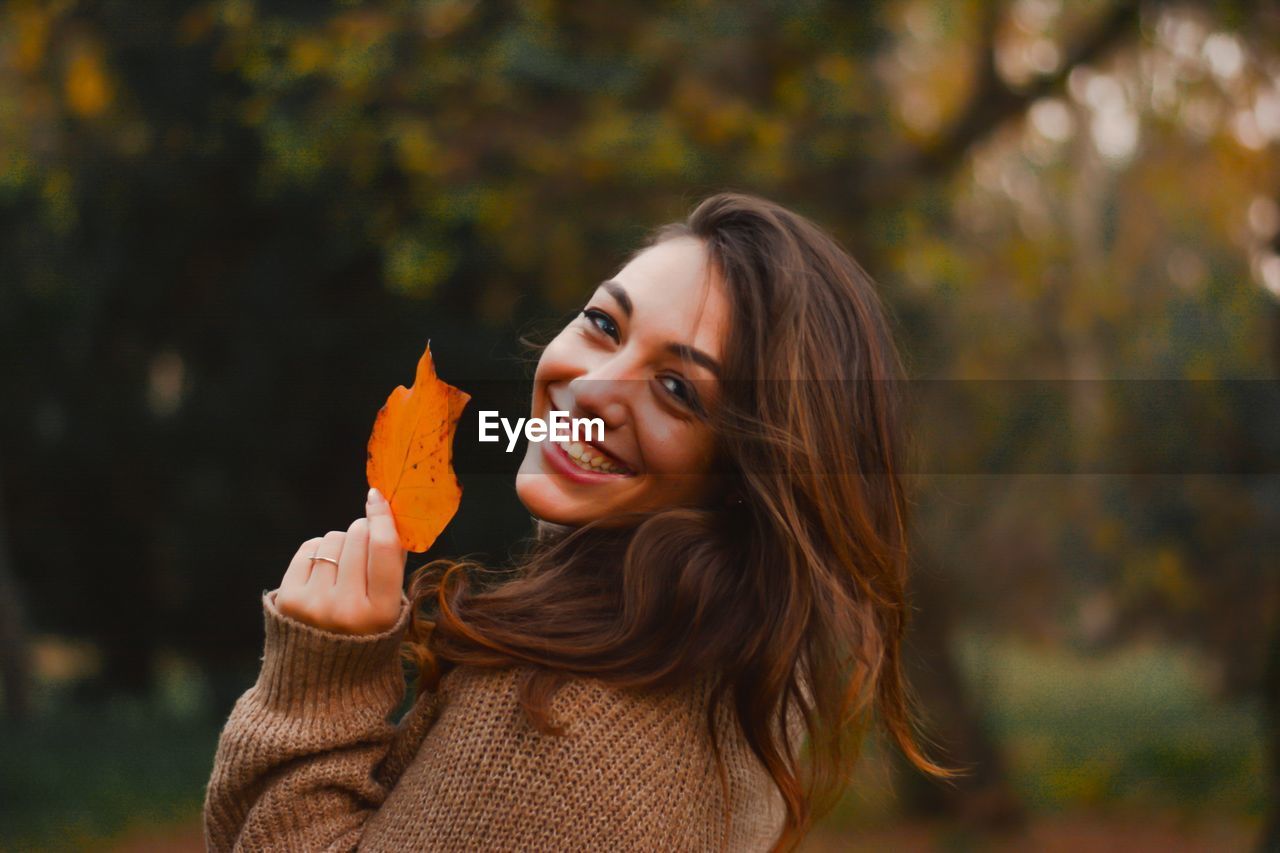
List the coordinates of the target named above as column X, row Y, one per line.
column 309, row 760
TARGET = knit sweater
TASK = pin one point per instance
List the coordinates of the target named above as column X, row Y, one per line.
column 309, row 760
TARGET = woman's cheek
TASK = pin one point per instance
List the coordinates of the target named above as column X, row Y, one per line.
column 678, row 454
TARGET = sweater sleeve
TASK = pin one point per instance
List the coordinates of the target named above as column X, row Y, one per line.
column 302, row 762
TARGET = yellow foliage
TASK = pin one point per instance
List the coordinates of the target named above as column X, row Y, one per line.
column 308, row 54
column 494, row 211
column 770, row 133
column 59, row 203
column 603, row 140
column 548, row 157
column 442, row 17
column 237, row 14
column 88, row 90
column 32, row 26
column 596, row 169
column 725, row 121
column 667, row 153
column 1162, row 571
column 790, row 94
column 416, row 150
column 1086, row 782
column 1108, row 533
column 1200, row 367
column 15, row 168
column 838, row 69
column 691, row 96
column 414, row 268
column 255, row 109
column 1171, row 578
column 363, row 28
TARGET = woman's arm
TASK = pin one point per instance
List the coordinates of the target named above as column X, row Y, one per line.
column 302, row 761
column 308, row 753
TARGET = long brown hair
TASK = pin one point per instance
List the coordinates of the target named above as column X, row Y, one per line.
column 791, row 590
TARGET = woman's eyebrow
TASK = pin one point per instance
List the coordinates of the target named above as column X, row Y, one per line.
column 695, row 355
column 615, row 289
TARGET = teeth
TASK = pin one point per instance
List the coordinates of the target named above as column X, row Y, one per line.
column 588, row 458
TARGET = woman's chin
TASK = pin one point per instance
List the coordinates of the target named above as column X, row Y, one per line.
column 540, row 497
column 546, row 494
column 543, row 499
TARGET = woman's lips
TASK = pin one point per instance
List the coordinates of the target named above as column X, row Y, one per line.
column 559, row 461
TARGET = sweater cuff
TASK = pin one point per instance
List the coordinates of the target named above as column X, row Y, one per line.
column 308, row 668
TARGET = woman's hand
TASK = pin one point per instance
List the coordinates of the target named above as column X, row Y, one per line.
column 360, row 595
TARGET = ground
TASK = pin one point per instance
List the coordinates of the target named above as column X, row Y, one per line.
column 1046, row 834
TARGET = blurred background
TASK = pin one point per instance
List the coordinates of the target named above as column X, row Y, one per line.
column 228, row 228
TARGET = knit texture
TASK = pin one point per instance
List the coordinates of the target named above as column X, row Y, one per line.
column 309, row 760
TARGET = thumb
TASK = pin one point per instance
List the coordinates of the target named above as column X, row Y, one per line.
column 386, row 554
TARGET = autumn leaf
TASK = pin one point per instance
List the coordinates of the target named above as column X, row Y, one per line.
column 410, row 458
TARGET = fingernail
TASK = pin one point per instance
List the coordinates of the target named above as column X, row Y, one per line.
column 375, row 498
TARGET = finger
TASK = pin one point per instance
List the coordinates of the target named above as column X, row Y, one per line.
column 352, row 583
column 324, row 573
column 300, row 566
column 386, row 554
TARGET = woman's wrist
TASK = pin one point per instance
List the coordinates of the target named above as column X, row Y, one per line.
column 309, row 669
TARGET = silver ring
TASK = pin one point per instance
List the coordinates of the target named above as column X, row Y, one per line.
column 326, row 559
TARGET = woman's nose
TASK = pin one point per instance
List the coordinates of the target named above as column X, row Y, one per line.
column 603, row 393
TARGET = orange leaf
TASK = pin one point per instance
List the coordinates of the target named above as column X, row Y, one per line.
column 410, row 456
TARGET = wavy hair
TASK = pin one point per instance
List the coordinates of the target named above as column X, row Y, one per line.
column 791, row 591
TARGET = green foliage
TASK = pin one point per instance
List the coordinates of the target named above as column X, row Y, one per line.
column 1136, row 728
column 83, row 771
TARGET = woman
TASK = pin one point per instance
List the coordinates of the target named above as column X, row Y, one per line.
column 713, row 587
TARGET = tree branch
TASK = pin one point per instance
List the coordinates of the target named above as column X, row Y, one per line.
column 994, row 101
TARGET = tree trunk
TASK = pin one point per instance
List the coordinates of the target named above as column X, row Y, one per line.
column 15, row 670
column 982, row 798
column 1270, row 840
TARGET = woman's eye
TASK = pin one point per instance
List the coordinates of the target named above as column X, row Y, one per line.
column 685, row 393
column 601, row 321
column 678, row 389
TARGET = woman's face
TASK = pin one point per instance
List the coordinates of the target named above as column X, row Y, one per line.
column 643, row 356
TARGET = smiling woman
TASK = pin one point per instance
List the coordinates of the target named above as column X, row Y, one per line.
column 708, row 619
column 643, row 357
